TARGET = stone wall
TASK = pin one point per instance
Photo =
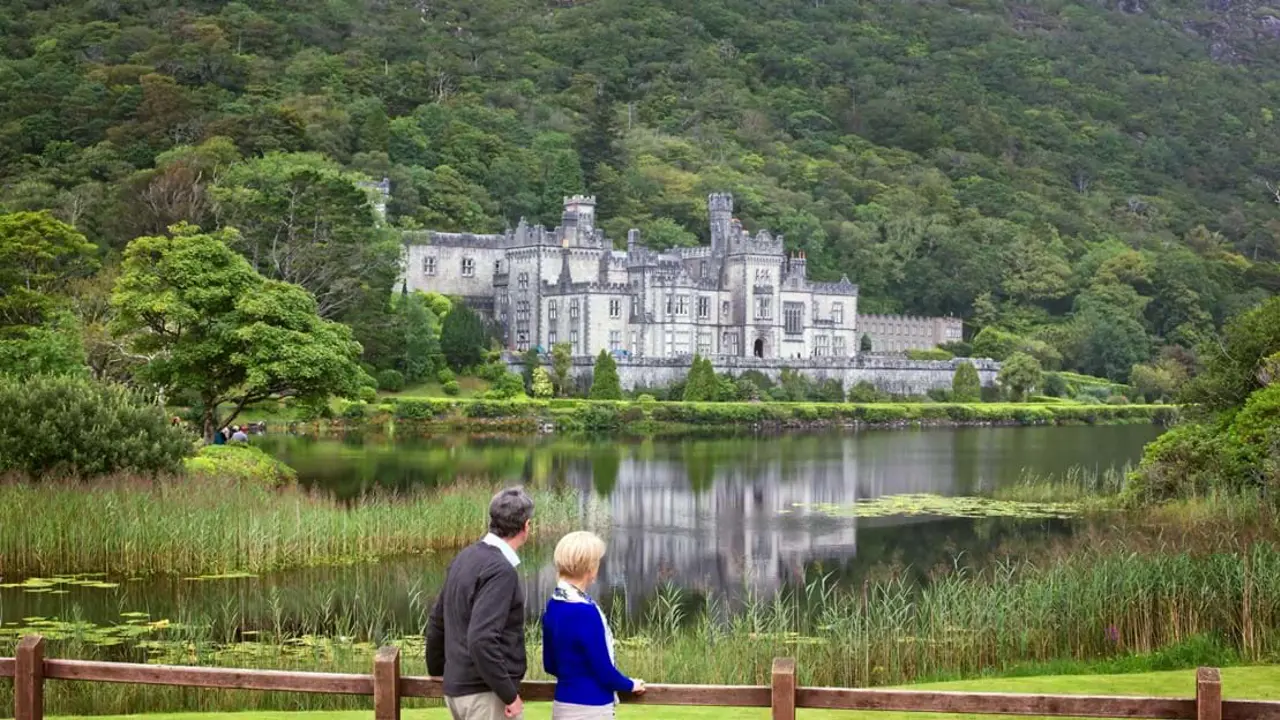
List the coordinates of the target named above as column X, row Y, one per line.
column 896, row 375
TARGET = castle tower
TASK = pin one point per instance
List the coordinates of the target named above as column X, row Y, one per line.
column 582, row 207
column 720, row 209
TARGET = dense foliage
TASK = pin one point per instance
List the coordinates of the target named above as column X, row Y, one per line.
column 61, row 425
column 1096, row 178
column 1232, row 443
column 604, row 379
column 213, row 327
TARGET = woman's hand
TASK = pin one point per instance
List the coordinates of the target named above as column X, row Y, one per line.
column 637, row 687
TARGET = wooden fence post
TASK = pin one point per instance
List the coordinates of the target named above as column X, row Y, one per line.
column 386, row 684
column 1208, row 694
column 28, row 679
column 784, row 689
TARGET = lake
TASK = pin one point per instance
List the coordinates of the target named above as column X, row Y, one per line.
column 727, row 516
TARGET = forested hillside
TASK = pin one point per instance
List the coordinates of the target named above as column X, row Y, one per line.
column 1101, row 178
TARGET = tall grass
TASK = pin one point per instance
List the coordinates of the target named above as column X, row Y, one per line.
column 1077, row 484
column 1107, row 602
column 136, row 526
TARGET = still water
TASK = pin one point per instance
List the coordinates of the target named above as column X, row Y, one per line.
column 726, row 516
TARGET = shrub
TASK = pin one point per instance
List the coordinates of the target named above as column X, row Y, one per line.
column 541, row 384
column 1055, row 385
column 1020, row 374
column 930, row 354
column 747, row 390
column 355, row 411
column 446, row 375
column 493, row 371
column 646, row 398
column 75, row 426
column 422, row 409
column 243, row 463
column 966, row 386
column 451, row 387
column 463, row 336
column 1088, row 400
column 368, row 394
column 865, row 392
column 1117, row 400
column 508, row 386
column 604, row 380
column 390, row 380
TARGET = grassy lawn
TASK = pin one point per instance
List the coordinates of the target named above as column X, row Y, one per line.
column 467, row 387
column 1252, row 683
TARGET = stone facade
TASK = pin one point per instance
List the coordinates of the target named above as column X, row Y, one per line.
column 896, row 375
column 741, row 297
column 900, row 333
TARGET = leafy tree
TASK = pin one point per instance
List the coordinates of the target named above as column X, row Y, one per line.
column 463, row 337
column 561, row 364
column 605, row 384
column 390, row 380
column 1055, row 385
column 214, row 327
column 542, row 385
column 701, row 384
column 1020, row 374
column 532, row 361
column 966, row 386
column 304, row 221
column 1159, row 381
column 1233, row 368
column 421, row 337
column 39, row 256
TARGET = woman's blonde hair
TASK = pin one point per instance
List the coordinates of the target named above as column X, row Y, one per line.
column 578, row 554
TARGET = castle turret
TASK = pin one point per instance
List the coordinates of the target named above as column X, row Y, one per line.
column 583, row 209
column 720, row 209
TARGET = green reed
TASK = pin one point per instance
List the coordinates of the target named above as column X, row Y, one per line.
column 1104, row 601
column 131, row 527
column 1076, row 484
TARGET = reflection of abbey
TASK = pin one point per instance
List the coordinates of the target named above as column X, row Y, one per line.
column 742, row 296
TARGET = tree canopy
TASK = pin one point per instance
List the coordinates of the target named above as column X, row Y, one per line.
column 215, row 328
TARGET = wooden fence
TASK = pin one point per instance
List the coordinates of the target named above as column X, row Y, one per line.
column 30, row 670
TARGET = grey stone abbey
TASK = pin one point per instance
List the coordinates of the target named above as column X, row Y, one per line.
column 742, row 296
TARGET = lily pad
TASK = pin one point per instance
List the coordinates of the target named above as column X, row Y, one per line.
column 940, row 506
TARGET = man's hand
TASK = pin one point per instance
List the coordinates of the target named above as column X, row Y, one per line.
column 515, row 708
column 637, row 687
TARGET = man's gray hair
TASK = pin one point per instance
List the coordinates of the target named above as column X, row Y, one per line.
column 509, row 511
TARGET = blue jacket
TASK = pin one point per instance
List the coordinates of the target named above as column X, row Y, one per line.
column 574, row 651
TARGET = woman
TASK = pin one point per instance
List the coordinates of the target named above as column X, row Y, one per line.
column 577, row 647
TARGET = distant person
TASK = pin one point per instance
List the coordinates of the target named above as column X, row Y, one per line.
column 238, row 435
column 475, row 636
column 219, row 437
column 577, row 646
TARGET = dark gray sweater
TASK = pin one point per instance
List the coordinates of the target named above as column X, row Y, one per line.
column 475, row 637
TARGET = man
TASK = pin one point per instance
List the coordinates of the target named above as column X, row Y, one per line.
column 475, row 637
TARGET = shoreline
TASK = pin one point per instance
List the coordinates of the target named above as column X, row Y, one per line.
column 431, row 416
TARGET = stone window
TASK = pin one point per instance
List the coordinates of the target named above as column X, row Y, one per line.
column 724, row 309
column 523, row 280
column 615, row 308
column 764, row 307
column 837, row 313
column 837, row 346
column 553, row 310
column 573, row 340
column 552, row 337
column 671, row 342
column 671, row 304
column 635, row 306
column 822, row 345
column 574, row 309
column 615, row 340
column 429, row 265
column 704, row 306
column 729, row 343
column 682, row 305
column 635, row 343
column 497, row 266
column 682, row 342
column 793, row 317
column 763, row 276
column 468, row 267
column 816, row 313
column 704, row 342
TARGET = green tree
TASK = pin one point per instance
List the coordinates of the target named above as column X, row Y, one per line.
column 1158, row 381
column 1020, row 374
column 421, row 337
column 701, row 384
column 605, row 384
column 966, row 386
column 303, row 220
column 864, row 345
column 561, row 364
column 214, row 327
column 542, row 385
column 1236, row 366
column 532, row 361
column 463, row 337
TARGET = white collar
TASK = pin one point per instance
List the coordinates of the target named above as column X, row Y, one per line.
column 570, row 593
column 507, row 552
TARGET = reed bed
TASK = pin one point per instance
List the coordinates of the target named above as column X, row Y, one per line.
column 1106, row 603
column 132, row 527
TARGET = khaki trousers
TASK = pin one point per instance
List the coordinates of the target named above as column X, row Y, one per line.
column 481, row 706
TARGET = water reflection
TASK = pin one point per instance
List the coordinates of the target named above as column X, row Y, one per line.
column 706, row 515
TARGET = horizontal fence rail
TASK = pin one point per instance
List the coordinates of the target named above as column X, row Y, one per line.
column 388, row 687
